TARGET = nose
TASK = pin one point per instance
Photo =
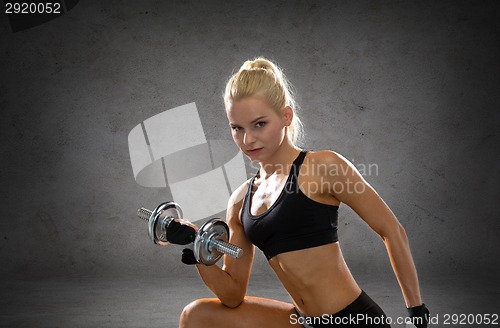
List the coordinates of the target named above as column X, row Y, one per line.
column 248, row 138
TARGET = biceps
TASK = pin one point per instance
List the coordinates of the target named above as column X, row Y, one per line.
column 239, row 268
column 239, row 238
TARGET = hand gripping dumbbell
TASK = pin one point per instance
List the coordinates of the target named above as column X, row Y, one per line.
column 210, row 242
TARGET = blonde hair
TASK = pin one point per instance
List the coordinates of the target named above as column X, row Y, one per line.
column 262, row 77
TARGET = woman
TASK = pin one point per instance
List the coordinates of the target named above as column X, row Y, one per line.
column 289, row 210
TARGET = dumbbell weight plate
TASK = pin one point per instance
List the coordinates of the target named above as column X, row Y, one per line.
column 159, row 220
column 214, row 228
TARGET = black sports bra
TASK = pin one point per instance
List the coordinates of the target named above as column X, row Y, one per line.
column 293, row 222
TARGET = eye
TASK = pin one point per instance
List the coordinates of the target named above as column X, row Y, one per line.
column 260, row 124
column 235, row 128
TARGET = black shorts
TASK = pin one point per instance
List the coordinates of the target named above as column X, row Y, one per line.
column 363, row 312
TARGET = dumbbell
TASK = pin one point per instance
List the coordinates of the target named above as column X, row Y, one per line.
column 211, row 240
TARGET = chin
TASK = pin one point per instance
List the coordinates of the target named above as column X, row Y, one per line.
column 254, row 157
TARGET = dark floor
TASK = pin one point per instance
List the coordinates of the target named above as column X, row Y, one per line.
column 156, row 302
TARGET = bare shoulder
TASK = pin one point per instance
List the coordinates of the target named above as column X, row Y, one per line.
column 332, row 166
column 235, row 202
column 327, row 157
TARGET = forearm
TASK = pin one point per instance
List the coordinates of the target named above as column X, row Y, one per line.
column 402, row 263
column 220, row 282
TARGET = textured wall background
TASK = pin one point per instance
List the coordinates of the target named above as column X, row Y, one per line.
column 411, row 87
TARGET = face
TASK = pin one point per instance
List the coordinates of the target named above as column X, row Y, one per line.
column 256, row 127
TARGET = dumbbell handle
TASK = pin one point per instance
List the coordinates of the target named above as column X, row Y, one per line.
column 225, row 248
column 214, row 243
column 144, row 213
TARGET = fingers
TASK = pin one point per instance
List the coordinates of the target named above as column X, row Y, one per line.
column 419, row 315
column 186, row 222
column 179, row 233
column 188, row 257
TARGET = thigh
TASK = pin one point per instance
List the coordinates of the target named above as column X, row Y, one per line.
column 252, row 312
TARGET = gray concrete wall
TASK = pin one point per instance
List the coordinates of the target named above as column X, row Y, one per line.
column 411, row 87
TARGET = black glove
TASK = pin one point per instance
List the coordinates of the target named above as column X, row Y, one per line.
column 180, row 234
column 419, row 316
column 188, row 257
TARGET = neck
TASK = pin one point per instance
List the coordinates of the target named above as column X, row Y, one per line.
column 280, row 161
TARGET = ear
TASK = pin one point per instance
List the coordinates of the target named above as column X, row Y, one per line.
column 287, row 115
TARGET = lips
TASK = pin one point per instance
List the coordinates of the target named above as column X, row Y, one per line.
column 253, row 151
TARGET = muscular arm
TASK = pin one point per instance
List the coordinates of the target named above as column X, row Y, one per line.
column 354, row 191
column 230, row 282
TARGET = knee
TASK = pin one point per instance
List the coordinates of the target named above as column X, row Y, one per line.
column 198, row 313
